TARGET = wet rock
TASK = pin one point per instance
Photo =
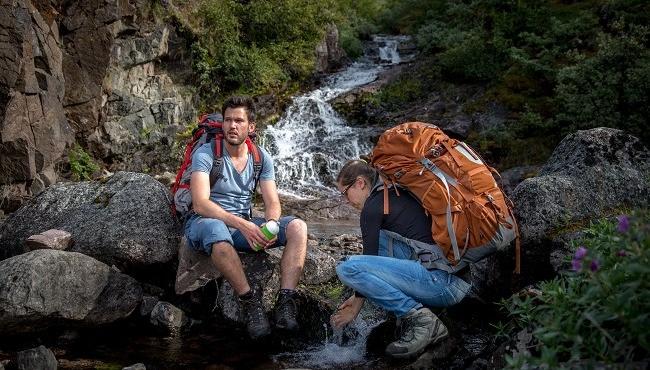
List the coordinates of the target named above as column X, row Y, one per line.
column 169, row 318
column 50, row 239
column 125, row 220
column 36, row 358
column 46, row 288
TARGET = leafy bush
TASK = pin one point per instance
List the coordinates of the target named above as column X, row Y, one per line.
column 599, row 312
column 611, row 88
column 82, row 165
column 256, row 46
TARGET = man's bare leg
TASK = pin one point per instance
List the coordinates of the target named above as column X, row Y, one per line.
column 293, row 257
column 227, row 261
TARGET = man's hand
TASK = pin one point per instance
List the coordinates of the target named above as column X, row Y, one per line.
column 346, row 312
column 254, row 235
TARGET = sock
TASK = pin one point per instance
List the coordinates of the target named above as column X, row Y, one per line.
column 289, row 292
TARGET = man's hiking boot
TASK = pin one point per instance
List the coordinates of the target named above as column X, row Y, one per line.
column 418, row 330
column 256, row 322
column 286, row 310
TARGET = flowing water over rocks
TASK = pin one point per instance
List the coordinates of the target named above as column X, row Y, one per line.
column 311, row 141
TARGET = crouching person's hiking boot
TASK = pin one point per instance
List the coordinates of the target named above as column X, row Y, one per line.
column 418, row 330
column 256, row 322
column 286, row 310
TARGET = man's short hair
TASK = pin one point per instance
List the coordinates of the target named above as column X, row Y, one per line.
column 245, row 102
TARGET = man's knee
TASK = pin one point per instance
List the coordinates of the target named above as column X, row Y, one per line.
column 296, row 228
column 223, row 250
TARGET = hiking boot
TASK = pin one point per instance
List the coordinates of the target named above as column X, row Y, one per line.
column 418, row 330
column 256, row 322
column 286, row 310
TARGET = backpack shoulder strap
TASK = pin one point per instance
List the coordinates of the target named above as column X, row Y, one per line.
column 216, row 173
column 258, row 161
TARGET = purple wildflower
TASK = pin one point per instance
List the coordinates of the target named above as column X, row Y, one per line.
column 621, row 253
column 581, row 252
column 595, row 265
column 576, row 265
column 623, row 223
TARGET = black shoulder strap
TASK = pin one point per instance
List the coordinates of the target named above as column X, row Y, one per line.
column 216, row 173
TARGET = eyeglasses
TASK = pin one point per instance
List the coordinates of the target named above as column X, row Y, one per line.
column 344, row 193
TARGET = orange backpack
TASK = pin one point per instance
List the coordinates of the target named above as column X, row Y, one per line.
column 471, row 217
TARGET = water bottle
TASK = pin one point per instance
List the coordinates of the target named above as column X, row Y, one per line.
column 270, row 229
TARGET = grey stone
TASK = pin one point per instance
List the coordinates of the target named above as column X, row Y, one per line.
column 168, row 317
column 125, row 221
column 36, row 358
column 45, row 288
column 50, row 239
column 329, row 53
column 590, row 173
column 147, row 305
column 195, row 269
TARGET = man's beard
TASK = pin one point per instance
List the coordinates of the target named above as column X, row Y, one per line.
column 235, row 142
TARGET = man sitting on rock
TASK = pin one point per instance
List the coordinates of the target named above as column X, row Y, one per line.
column 221, row 226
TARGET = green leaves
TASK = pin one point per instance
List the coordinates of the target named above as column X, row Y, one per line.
column 599, row 314
column 82, row 165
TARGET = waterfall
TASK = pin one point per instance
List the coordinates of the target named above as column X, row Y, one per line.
column 311, row 141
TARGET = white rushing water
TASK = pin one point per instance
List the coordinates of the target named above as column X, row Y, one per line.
column 311, row 141
column 335, row 352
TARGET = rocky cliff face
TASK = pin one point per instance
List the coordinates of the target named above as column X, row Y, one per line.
column 94, row 71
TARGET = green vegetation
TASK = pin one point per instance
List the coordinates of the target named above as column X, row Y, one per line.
column 558, row 66
column 599, row 312
column 255, row 46
column 82, row 165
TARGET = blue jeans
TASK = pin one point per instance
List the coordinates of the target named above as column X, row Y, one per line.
column 398, row 284
column 203, row 232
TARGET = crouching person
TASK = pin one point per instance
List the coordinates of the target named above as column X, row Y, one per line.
column 221, row 225
column 386, row 274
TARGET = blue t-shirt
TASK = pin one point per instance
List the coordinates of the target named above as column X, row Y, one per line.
column 234, row 191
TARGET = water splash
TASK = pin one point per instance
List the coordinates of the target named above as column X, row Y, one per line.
column 339, row 350
column 311, row 141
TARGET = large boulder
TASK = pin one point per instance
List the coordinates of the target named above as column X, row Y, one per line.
column 46, row 288
column 590, row 174
column 125, row 220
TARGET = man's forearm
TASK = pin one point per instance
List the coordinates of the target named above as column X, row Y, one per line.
column 273, row 211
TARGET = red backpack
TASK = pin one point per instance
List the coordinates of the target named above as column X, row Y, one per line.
column 471, row 217
column 208, row 130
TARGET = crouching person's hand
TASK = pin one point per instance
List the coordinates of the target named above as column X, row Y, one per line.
column 346, row 312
